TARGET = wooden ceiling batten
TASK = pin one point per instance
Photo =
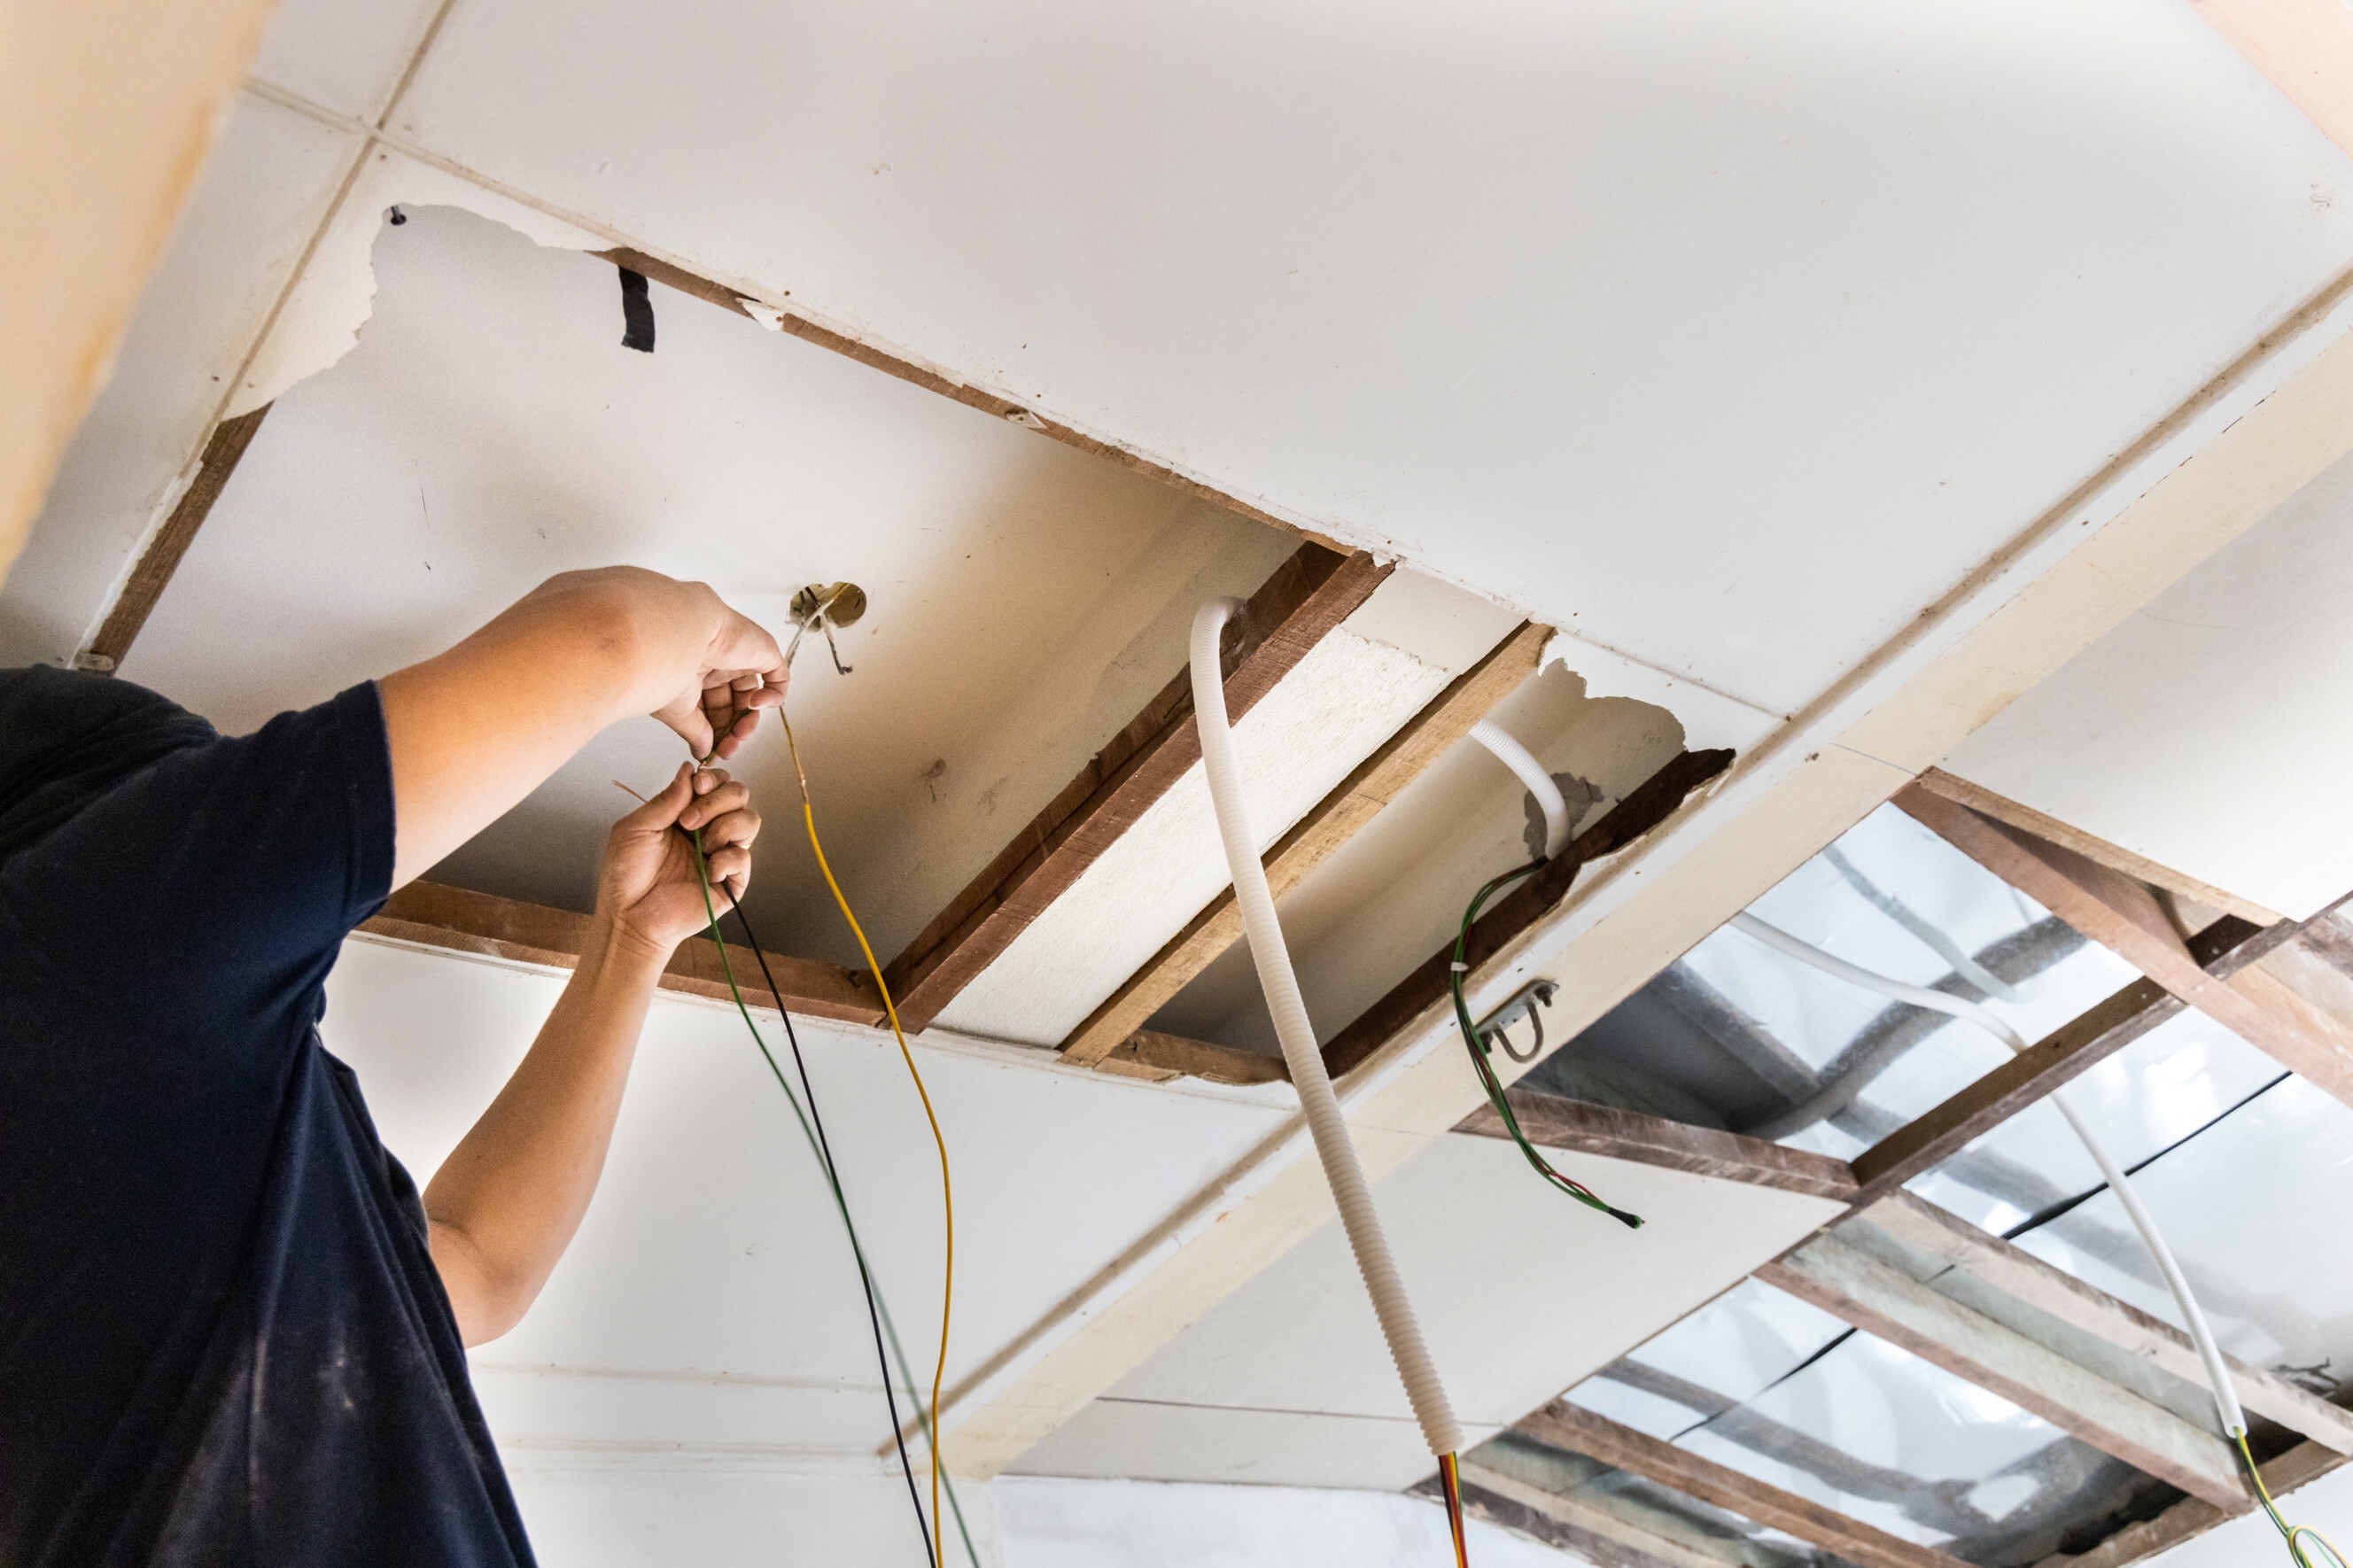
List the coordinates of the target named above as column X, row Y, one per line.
column 454, row 920
column 1308, row 595
column 1338, row 817
column 1577, row 1430
column 2019, row 1274
column 1556, row 1121
column 2121, row 913
column 1834, row 1275
column 161, row 557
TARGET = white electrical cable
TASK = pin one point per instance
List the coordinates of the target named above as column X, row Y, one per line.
column 1322, row 1109
column 1518, row 758
column 2218, row 1376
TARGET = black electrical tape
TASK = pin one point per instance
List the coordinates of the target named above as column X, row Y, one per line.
column 636, row 312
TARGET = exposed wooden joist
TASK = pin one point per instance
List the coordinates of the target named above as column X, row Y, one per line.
column 1930, row 1230
column 1336, row 819
column 1308, row 595
column 152, row 572
column 2121, row 913
column 1885, row 1302
column 786, row 320
column 1651, row 802
column 2067, row 1053
column 2193, row 1516
column 456, row 920
column 1148, row 1054
column 1600, row 1537
column 1556, row 1121
column 1562, row 1425
column 2026, row 819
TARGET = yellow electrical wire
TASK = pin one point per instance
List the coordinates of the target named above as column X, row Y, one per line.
column 947, row 1189
column 2294, row 1532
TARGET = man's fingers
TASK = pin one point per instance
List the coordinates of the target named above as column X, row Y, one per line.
column 732, row 867
column 720, row 798
column 733, row 829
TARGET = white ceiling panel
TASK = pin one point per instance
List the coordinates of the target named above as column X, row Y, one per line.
column 2209, row 731
column 709, row 1299
column 1729, row 336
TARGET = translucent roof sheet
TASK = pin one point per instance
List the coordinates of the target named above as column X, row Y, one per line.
column 2246, row 1169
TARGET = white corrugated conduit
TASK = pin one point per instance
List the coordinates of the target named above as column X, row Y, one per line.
column 1316, row 1100
column 2218, row 1376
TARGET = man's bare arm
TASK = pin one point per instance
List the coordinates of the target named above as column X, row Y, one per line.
column 476, row 729
column 505, row 1203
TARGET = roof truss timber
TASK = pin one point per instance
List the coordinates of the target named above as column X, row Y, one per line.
column 1308, row 595
column 1561, row 1425
column 454, row 920
column 2263, row 1006
column 1336, row 819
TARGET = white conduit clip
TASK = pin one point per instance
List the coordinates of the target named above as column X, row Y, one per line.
column 2218, row 1375
column 1518, row 758
column 1322, row 1109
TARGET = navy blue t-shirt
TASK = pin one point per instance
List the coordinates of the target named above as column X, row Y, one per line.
column 222, row 1336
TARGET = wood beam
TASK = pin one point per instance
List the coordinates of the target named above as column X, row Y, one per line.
column 107, row 113
column 1556, row 1121
column 1594, row 1534
column 161, row 558
column 1148, row 1054
column 2020, row 1274
column 2066, row 1054
column 1885, row 1302
column 2121, row 914
column 1308, row 595
column 1337, row 818
column 2026, row 819
column 429, row 914
column 2193, row 1516
column 1561, row 1425
column 781, row 320
column 1651, row 802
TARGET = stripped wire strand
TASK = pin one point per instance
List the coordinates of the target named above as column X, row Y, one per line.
column 1479, row 1050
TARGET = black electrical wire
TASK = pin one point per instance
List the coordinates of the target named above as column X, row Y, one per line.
column 866, row 1279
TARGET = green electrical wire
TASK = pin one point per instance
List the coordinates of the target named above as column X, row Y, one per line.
column 2294, row 1534
column 1479, row 1050
column 833, row 1184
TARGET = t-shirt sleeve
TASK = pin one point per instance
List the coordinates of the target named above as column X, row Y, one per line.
column 222, row 881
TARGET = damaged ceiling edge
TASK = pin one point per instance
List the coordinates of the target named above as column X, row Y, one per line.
column 399, row 171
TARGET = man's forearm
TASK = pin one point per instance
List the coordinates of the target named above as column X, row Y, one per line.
column 476, row 729
column 508, row 1199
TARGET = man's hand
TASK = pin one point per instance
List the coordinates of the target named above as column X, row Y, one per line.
column 648, row 888
column 743, row 673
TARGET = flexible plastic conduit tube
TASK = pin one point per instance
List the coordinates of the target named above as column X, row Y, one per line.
column 1518, row 758
column 2218, row 1376
column 1322, row 1109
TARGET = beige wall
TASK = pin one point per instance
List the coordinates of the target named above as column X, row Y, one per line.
column 107, row 110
